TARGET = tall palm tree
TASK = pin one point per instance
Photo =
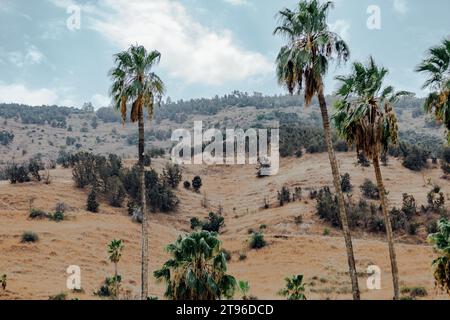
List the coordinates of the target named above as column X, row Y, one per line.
column 365, row 117
column 135, row 88
column 301, row 64
column 437, row 67
column 197, row 269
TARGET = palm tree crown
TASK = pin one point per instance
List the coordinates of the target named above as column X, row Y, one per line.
column 135, row 83
column 197, row 269
column 437, row 67
column 304, row 60
column 365, row 113
column 115, row 248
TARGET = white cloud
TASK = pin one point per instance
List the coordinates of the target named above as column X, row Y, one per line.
column 342, row 28
column 18, row 93
column 237, row 2
column 190, row 51
column 401, row 6
column 99, row 101
column 31, row 56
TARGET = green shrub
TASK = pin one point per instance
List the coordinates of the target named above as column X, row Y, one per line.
column 415, row 159
column 37, row 214
column 432, row 227
column 59, row 297
column 196, row 223
column 197, row 183
column 418, row 292
column 242, row 256
column 187, row 185
column 341, row 146
column 92, row 204
column 295, row 288
column 257, row 241
column 29, row 236
column 409, row 205
column 213, row 223
column 284, row 196
column 327, row 206
column 362, row 160
column 115, row 192
column 346, row 184
column 58, row 216
column 172, row 175
column 370, row 190
column 109, row 287
column 435, row 199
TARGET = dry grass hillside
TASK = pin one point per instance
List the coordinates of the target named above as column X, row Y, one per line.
column 36, row 271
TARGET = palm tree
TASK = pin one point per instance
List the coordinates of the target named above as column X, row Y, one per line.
column 197, row 269
column 244, row 288
column 302, row 64
column 295, row 288
column 115, row 248
column 441, row 265
column 437, row 67
column 365, row 117
column 136, row 87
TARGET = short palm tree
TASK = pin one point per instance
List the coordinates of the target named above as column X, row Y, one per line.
column 365, row 117
column 295, row 288
column 441, row 265
column 115, row 248
column 437, row 67
column 301, row 65
column 197, row 269
column 136, row 88
column 244, row 288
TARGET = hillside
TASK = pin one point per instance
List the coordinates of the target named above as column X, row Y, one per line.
column 36, row 271
column 47, row 130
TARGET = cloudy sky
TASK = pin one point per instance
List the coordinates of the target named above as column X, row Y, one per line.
column 208, row 47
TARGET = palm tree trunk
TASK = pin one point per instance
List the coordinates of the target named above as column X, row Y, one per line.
column 115, row 278
column 337, row 186
column 387, row 222
column 144, row 246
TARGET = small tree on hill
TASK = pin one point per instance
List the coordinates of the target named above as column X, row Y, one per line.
column 197, row 183
column 92, row 204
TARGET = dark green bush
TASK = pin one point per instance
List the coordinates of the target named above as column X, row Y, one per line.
column 284, row 196
column 38, row 214
column 213, row 223
column 346, row 184
column 172, row 175
column 257, row 241
column 370, row 190
column 92, row 204
column 197, row 183
column 29, row 237
column 115, row 192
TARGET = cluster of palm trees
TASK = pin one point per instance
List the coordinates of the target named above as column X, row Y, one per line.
column 364, row 112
